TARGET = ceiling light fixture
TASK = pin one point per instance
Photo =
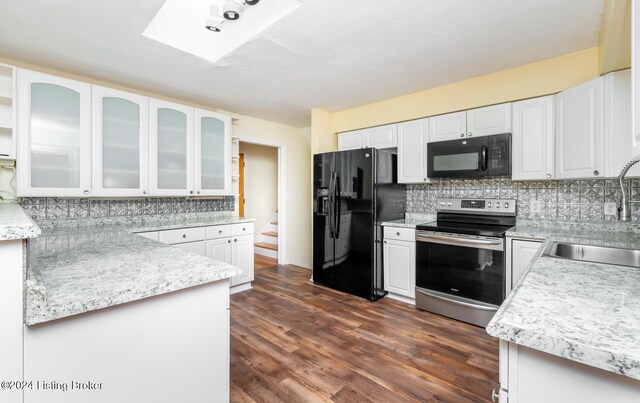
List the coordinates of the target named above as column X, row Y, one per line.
column 230, row 11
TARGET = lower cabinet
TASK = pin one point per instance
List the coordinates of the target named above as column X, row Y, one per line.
column 535, row 376
column 228, row 243
column 522, row 253
column 399, row 260
column 242, row 257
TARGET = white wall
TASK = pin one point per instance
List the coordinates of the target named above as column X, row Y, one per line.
column 260, row 183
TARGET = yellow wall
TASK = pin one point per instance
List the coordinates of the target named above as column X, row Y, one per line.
column 298, row 162
column 614, row 41
column 531, row 80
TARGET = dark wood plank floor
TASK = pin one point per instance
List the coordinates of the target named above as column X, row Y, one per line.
column 292, row 341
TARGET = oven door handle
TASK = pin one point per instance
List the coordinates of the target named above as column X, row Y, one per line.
column 493, row 244
column 475, row 306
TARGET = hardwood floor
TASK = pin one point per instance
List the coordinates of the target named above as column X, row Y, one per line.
column 261, row 262
column 292, row 341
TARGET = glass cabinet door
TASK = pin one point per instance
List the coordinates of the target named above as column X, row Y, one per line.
column 54, row 145
column 120, row 143
column 212, row 153
column 171, row 132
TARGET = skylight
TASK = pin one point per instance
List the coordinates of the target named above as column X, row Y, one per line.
column 181, row 24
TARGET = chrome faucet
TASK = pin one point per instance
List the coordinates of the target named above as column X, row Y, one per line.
column 624, row 209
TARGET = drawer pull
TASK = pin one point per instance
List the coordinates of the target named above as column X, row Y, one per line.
column 184, row 235
column 397, row 233
column 229, row 241
column 235, row 240
column 220, row 232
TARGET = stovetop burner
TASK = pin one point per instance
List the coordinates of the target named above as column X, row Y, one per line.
column 484, row 217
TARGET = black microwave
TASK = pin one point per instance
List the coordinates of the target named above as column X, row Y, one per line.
column 477, row 157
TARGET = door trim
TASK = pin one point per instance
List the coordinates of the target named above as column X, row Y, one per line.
column 282, row 191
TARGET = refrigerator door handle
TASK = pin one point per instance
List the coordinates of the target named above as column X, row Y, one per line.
column 331, row 204
column 338, row 205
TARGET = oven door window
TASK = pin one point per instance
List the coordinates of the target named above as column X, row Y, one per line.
column 467, row 272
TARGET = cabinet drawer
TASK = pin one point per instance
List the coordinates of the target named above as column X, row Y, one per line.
column 401, row 234
column 219, row 231
column 175, row 236
column 242, row 229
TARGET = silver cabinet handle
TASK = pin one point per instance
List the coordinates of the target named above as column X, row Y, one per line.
column 220, row 232
column 235, row 240
column 86, row 192
column 198, row 192
column 244, row 229
column 548, row 176
column 191, row 192
column 144, row 192
column 470, row 134
column 461, row 134
column 397, row 234
column 385, row 242
column 424, row 179
column 596, row 173
column 229, row 241
column 184, row 235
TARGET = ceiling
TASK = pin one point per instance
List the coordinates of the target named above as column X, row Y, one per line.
column 331, row 54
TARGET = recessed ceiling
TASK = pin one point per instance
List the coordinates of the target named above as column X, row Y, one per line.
column 332, row 54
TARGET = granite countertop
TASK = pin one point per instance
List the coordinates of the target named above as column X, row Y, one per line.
column 581, row 311
column 411, row 220
column 78, row 266
column 15, row 223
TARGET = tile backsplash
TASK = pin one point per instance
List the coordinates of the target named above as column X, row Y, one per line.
column 55, row 208
column 578, row 200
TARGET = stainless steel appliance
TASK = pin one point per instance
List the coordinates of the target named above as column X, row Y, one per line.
column 460, row 259
column 477, row 157
column 354, row 191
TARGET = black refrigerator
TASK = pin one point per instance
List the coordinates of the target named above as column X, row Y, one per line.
column 354, row 191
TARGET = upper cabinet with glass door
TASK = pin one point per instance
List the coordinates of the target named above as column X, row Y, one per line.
column 120, row 144
column 171, row 144
column 212, row 153
column 54, row 144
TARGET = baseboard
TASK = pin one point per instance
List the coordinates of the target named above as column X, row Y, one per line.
column 239, row 288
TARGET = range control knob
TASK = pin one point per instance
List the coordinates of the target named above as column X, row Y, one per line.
column 489, row 204
column 506, row 204
column 497, row 204
column 448, row 203
column 442, row 203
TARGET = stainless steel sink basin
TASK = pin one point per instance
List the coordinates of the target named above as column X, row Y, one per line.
column 596, row 254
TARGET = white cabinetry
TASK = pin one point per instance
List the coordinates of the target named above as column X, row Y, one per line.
column 533, row 139
column 351, row 140
column 399, row 259
column 11, row 317
column 242, row 257
column 7, row 112
column 120, row 157
column 382, row 136
column 220, row 250
column 494, row 119
column 448, row 127
column 579, row 127
column 593, row 126
column 535, row 377
column 54, row 116
column 171, row 149
column 212, row 153
column 412, row 151
column 522, row 253
column 376, row 137
column 143, row 351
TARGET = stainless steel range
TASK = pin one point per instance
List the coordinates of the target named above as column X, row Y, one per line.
column 460, row 259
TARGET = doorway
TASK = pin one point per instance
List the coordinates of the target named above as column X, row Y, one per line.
column 261, row 190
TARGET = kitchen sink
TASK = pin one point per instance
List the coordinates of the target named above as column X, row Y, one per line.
column 595, row 254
